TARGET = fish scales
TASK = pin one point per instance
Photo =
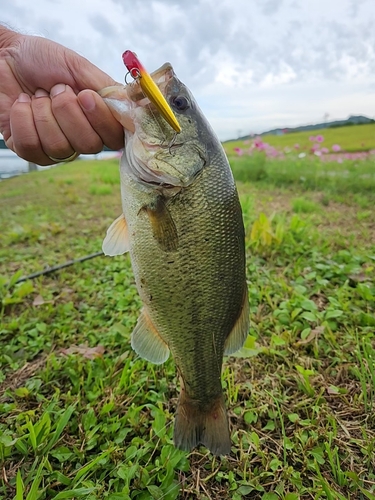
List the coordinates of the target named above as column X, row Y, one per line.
column 185, row 235
column 204, row 290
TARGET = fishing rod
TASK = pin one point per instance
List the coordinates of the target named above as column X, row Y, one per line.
column 53, row 269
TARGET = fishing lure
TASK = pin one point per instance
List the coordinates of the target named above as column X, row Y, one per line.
column 149, row 87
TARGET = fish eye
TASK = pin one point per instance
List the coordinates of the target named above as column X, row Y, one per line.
column 180, row 102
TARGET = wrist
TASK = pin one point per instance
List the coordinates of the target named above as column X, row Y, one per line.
column 8, row 37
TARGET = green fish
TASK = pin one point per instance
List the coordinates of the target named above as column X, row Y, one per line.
column 182, row 224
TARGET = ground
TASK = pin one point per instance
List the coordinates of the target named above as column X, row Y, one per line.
column 81, row 416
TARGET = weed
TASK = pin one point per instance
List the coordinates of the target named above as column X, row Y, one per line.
column 302, row 205
column 81, row 416
column 100, row 190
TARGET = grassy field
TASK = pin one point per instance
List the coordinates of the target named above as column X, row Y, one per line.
column 352, row 179
column 82, row 417
column 352, row 138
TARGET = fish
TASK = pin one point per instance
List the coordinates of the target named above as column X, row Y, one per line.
column 183, row 228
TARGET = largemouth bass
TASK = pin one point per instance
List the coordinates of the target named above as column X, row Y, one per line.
column 182, row 224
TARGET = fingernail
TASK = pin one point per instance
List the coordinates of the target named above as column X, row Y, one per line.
column 87, row 101
column 24, row 98
column 41, row 93
column 57, row 89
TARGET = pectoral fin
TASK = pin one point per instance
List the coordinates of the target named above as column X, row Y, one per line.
column 116, row 241
column 237, row 336
column 146, row 341
column 163, row 227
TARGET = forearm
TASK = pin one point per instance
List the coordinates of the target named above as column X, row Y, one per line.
column 7, row 37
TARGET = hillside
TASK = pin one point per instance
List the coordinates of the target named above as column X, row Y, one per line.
column 352, row 120
column 349, row 138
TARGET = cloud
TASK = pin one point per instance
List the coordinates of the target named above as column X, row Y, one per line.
column 256, row 49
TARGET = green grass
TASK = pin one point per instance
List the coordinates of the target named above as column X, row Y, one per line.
column 355, row 179
column 350, row 138
column 82, row 417
column 302, row 205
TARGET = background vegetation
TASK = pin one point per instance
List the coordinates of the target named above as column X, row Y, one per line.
column 81, row 416
column 352, row 138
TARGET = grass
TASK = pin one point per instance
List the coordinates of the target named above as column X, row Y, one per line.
column 302, row 205
column 355, row 179
column 350, row 138
column 81, row 416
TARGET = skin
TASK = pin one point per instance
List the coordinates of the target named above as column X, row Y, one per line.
column 48, row 101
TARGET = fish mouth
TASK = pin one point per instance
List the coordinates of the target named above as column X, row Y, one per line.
column 161, row 77
column 144, row 172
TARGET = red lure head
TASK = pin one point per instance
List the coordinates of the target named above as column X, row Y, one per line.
column 133, row 64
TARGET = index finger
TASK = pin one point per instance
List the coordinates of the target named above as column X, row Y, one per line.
column 101, row 119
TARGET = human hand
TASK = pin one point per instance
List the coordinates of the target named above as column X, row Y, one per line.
column 48, row 103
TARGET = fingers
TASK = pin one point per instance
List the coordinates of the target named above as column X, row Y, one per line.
column 52, row 139
column 73, row 122
column 24, row 138
column 101, row 119
column 60, row 123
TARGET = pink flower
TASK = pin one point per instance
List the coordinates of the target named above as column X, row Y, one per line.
column 336, row 148
column 318, row 153
column 272, row 152
column 325, row 150
column 312, row 138
column 339, row 160
column 259, row 144
column 319, row 138
column 296, row 146
column 239, row 151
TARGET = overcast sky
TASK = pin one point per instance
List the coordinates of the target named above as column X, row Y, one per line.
column 251, row 64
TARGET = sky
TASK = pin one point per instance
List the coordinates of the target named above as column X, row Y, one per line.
column 252, row 65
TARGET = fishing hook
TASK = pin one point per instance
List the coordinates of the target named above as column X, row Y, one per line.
column 173, row 140
column 134, row 73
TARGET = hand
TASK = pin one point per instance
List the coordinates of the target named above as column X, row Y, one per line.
column 48, row 103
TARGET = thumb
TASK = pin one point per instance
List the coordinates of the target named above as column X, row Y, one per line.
column 41, row 63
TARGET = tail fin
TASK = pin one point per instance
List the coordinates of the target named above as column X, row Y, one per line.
column 194, row 426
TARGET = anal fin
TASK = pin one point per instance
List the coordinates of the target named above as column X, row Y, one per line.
column 237, row 336
column 116, row 241
column 146, row 341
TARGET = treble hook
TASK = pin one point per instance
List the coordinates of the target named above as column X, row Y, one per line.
column 134, row 73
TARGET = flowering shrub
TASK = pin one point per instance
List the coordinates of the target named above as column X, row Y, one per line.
column 259, row 147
